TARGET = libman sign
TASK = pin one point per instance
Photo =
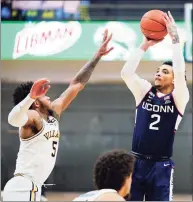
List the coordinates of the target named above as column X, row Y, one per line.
column 78, row 40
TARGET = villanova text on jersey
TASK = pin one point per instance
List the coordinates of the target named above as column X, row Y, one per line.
column 156, row 121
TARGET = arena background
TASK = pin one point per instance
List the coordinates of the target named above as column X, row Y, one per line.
column 102, row 116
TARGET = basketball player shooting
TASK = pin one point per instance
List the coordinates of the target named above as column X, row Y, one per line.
column 37, row 119
column 111, row 176
column 159, row 110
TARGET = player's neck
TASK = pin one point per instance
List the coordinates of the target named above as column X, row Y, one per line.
column 42, row 114
column 121, row 192
column 165, row 90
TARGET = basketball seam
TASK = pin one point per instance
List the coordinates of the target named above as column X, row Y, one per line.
column 153, row 30
column 155, row 21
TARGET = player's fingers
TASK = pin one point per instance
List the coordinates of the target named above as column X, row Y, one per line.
column 170, row 16
column 166, row 22
column 46, row 88
column 41, row 82
column 105, row 35
column 158, row 41
column 45, row 85
column 44, row 82
column 107, row 41
column 41, row 86
column 167, row 18
column 109, row 50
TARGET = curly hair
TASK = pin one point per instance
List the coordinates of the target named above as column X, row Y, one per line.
column 21, row 92
column 112, row 168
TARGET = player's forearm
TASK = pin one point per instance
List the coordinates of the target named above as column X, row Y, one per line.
column 178, row 64
column 178, row 58
column 18, row 116
column 181, row 93
column 177, row 54
column 132, row 63
column 86, row 71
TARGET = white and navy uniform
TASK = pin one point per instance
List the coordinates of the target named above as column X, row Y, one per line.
column 35, row 161
column 93, row 195
column 156, row 122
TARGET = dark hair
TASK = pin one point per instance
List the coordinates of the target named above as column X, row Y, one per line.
column 21, row 92
column 112, row 168
column 170, row 63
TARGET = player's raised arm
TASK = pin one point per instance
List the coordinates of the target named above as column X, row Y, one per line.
column 181, row 93
column 20, row 115
column 138, row 86
column 81, row 79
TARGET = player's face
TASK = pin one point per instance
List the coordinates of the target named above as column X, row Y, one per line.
column 164, row 76
column 45, row 102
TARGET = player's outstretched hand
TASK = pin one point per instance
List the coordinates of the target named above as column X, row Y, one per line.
column 171, row 27
column 104, row 50
column 148, row 43
column 39, row 88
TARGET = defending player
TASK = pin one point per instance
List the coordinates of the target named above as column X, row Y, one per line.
column 37, row 119
column 159, row 111
column 112, row 177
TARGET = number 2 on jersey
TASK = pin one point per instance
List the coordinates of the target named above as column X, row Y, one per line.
column 157, row 120
column 54, row 143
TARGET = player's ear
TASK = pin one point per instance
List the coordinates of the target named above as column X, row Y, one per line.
column 173, row 81
column 36, row 104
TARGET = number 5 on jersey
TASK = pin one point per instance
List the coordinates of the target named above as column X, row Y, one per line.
column 157, row 120
column 54, row 144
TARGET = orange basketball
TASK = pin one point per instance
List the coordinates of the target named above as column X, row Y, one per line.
column 152, row 25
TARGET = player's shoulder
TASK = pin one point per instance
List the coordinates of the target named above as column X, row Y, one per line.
column 96, row 194
column 33, row 114
column 86, row 196
column 110, row 196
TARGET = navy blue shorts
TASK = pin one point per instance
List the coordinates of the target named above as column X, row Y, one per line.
column 152, row 180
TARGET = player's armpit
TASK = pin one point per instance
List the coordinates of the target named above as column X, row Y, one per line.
column 61, row 103
column 32, row 126
column 34, row 118
column 110, row 197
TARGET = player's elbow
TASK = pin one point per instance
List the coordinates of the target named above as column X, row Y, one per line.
column 16, row 121
column 81, row 86
column 12, row 121
column 76, row 88
column 123, row 74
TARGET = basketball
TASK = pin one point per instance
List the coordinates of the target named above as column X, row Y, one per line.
column 152, row 25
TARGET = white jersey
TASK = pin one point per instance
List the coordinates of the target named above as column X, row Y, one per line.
column 37, row 155
column 93, row 195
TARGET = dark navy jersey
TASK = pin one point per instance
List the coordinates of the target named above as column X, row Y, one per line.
column 156, row 121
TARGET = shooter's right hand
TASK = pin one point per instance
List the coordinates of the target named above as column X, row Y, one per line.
column 148, row 43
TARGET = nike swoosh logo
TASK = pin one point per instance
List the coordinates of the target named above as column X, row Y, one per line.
column 166, row 164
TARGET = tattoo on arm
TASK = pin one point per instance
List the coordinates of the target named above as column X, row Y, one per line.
column 175, row 39
column 174, row 33
column 86, row 71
